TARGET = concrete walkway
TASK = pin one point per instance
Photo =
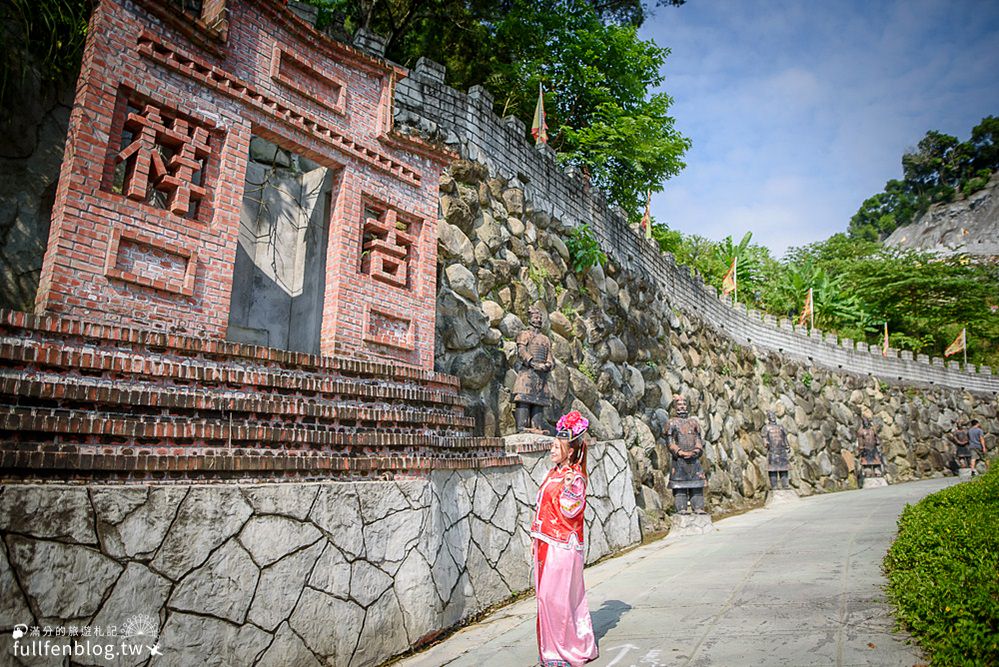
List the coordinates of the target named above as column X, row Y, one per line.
column 795, row 585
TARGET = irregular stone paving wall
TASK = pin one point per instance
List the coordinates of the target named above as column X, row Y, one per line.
column 622, row 348
column 287, row 574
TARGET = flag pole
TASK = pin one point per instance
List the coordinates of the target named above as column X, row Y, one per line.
column 735, row 277
column 811, row 309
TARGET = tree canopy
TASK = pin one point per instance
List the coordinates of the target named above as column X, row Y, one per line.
column 935, row 171
column 598, row 75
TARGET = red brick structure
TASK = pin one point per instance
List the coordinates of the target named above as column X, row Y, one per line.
column 144, row 230
column 129, row 370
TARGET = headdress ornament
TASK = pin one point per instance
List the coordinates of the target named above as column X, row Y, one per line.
column 572, row 425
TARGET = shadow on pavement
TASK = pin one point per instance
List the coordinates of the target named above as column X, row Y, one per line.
column 607, row 617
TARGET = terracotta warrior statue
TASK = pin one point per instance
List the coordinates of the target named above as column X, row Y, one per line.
column 530, row 391
column 778, row 451
column 869, row 460
column 686, row 477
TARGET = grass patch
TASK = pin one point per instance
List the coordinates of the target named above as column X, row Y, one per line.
column 943, row 572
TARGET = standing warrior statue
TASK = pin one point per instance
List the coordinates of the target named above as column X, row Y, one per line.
column 530, row 391
column 869, row 460
column 778, row 451
column 686, row 477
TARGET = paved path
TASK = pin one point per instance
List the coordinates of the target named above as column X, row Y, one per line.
column 795, row 585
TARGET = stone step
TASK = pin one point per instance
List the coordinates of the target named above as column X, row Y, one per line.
column 147, row 343
column 81, row 399
column 54, row 390
column 214, row 464
column 19, row 422
column 30, row 355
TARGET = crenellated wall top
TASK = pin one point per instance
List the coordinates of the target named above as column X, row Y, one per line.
column 466, row 123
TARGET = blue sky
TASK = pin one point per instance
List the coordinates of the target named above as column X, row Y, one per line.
column 800, row 110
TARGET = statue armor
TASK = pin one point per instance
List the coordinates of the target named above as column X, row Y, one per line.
column 686, row 478
column 778, row 452
column 530, row 391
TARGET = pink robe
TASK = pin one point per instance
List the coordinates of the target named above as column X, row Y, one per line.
column 565, row 631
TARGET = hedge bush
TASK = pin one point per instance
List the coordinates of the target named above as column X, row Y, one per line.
column 943, row 572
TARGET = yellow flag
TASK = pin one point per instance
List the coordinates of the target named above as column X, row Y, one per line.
column 647, row 218
column 958, row 344
column 730, row 282
column 806, row 312
column 884, row 344
column 540, row 128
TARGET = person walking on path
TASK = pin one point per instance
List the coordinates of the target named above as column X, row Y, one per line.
column 564, row 627
column 962, row 454
column 976, row 443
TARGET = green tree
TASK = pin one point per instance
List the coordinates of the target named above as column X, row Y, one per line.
column 936, row 170
column 587, row 55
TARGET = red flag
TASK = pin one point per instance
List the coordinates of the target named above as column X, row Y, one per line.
column 539, row 129
column 730, row 281
column 806, row 312
column 958, row 344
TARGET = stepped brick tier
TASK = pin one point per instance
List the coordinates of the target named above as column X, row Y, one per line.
column 82, row 399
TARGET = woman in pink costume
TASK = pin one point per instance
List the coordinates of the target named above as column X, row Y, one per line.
column 565, row 632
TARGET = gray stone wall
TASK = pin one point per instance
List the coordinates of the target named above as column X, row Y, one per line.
column 286, row 574
column 624, row 345
column 465, row 121
column 31, row 150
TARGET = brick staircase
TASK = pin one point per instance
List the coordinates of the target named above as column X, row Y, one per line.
column 84, row 400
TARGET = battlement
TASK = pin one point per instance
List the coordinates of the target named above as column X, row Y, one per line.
column 466, row 123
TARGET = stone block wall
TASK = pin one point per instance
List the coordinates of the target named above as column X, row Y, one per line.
column 285, row 574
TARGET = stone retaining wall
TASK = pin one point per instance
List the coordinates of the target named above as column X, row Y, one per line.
column 341, row 573
column 624, row 344
column 465, row 122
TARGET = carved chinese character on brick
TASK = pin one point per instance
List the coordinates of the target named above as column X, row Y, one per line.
column 162, row 159
column 387, row 245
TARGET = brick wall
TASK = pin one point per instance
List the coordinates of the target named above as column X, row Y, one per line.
column 144, row 229
column 465, row 121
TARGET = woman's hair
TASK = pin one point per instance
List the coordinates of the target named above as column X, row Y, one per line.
column 577, row 452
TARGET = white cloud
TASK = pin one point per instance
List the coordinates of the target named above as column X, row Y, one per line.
column 799, row 111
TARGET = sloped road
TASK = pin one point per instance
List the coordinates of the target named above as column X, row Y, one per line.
column 797, row 585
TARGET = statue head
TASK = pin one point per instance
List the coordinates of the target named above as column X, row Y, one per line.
column 771, row 417
column 534, row 317
column 680, row 406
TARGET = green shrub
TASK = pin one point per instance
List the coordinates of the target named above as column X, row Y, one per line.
column 584, row 249
column 943, row 572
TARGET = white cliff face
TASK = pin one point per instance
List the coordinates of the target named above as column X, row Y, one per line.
column 967, row 224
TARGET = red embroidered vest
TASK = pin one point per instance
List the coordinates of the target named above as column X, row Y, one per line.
column 560, row 504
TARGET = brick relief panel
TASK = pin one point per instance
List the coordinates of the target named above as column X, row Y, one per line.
column 387, row 243
column 144, row 259
column 146, row 224
column 390, row 330
column 160, row 157
column 303, row 79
